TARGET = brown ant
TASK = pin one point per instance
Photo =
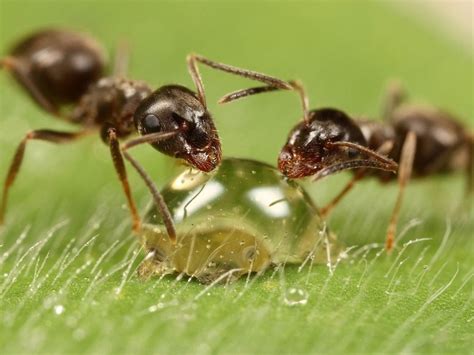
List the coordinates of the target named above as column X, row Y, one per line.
column 424, row 140
column 59, row 68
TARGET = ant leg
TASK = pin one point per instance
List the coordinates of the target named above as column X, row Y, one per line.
column 298, row 86
column 43, row 135
column 193, row 59
column 394, row 96
column 330, row 206
column 121, row 60
column 470, row 164
column 122, row 175
column 384, row 149
column 157, row 197
column 21, row 74
column 404, row 173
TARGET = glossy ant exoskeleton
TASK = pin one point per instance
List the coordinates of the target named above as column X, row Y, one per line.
column 59, row 68
column 421, row 139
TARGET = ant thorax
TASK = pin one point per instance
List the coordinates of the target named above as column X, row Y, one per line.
column 376, row 133
column 241, row 218
column 111, row 102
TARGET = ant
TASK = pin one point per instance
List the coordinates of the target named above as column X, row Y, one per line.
column 422, row 140
column 63, row 72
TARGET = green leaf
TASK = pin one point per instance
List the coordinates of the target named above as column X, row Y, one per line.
column 67, row 256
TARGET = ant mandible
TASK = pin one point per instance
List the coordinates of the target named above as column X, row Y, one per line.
column 59, row 68
column 423, row 140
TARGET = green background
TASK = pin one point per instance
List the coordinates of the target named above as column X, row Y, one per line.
column 56, row 299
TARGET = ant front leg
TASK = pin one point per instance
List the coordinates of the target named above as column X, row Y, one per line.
column 47, row 135
column 117, row 152
column 404, row 174
column 119, row 165
column 384, row 149
column 21, row 74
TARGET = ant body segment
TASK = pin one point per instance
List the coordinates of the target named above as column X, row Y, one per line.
column 63, row 72
column 422, row 140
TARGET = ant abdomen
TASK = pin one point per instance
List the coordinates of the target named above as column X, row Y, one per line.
column 59, row 64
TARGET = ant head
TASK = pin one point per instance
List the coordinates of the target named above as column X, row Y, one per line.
column 310, row 146
column 174, row 108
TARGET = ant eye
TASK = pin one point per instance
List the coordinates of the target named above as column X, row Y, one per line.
column 151, row 124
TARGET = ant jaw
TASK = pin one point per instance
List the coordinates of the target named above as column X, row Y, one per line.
column 206, row 160
column 295, row 167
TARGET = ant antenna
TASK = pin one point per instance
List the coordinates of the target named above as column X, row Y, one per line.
column 354, row 164
column 193, row 59
column 298, row 86
column 367, row 151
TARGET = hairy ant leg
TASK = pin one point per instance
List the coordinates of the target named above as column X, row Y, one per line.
column 404, row 174
column 359, row 175
column 157, row 197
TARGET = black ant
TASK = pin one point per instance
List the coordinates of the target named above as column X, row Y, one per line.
column 59, row 68
column 424, row 140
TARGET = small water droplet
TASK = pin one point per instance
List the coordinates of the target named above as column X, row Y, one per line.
column 254, row 172
column 296, row 297
column 208, row 246
column 124, row 206
column 58, row 309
